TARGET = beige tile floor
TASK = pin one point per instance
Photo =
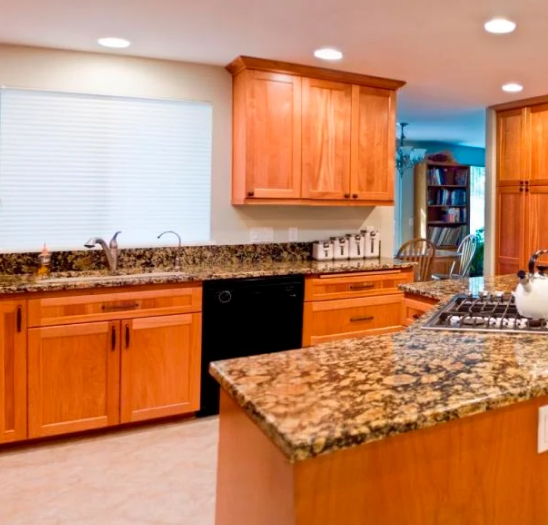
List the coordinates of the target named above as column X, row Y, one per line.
column 160, row 475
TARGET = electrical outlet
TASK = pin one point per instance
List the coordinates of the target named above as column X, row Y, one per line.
column 258, row 235
column 293, row 234
column 543, row 429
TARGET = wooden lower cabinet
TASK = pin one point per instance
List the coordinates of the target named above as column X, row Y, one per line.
column 160, row 366
column 74, row 378
column 339, row 319
column 414, row 307
column 13, row 371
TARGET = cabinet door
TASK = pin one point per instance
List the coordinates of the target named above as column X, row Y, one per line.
column 511, row 228
column 330, row 320
column 537, row 209
column 273, row 164
column 538, row 133
column 13, row 371
column 160, row 366
column 74, row 378
column 373, row 144
column 326, row 139
column 511, row 162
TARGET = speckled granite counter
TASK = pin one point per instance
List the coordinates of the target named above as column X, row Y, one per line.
column 442, row 290
column 337, row 395
column 10, row 284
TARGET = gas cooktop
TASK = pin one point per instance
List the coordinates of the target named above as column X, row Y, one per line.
column 484, row 313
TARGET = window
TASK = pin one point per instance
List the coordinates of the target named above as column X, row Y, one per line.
column 74, row 166
column 477, row 198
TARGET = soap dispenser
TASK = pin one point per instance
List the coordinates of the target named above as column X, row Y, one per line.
column 45, row 259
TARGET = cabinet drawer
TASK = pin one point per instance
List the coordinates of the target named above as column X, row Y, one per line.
column 413, row 309
column 123, row 303
column 365, row 284
column 330, row 320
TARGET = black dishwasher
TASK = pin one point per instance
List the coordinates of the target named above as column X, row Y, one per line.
column 243, row 317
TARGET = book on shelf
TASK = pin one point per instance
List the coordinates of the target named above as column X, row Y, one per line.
column 450, row 215
column 445, row 196
column 446, row 236
column 442, row 176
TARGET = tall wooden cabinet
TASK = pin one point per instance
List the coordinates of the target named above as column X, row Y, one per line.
column 311, row 136
column 13, row 371
column 522, row 183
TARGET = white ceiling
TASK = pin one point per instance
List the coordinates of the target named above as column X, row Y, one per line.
column 453, row 68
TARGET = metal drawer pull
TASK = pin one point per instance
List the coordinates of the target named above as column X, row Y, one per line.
column 19, row 318
column 113, row 338
column 116, row 307
column 127, row 336
column 358, row 319
column 364, row 286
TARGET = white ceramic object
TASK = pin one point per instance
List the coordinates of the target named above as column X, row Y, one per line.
column 340, row 248
column 357, row 245
column 372, row 242
column 532, row 291
column 322, row 250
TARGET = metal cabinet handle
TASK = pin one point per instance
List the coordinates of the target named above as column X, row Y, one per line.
column 113, row 338
column 416, row 316
column 250, row 193
column 347, row 195
column 355, row 196
column 363, row 286
column 358, row 319
column 127, row 336
column 117, row 307
column 19, row 319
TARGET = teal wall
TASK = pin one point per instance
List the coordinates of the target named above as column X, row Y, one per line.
column 462, row 154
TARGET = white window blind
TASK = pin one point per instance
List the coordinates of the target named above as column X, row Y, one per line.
column 74, row 166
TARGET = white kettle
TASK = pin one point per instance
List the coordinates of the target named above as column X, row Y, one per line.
column 532, row 291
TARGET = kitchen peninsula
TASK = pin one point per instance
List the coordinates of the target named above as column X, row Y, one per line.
column 414, row 428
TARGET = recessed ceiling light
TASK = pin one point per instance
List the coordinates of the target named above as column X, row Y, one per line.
column 512, row 87
column 328, row 53
column 499, row 26
column 116, row 43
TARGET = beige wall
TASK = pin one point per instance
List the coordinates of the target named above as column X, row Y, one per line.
column 26, row 67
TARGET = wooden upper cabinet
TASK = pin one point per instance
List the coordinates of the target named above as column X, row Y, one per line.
column 538, row 139
column 511, row 168
column 13, row 371
column 327, row 109
column 74, row 377
column 267, row 136
column 511, row 219
column 373, row 144
column 160, row 366
column 311, row 136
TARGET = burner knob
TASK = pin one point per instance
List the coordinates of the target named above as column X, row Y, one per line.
column 499, row 294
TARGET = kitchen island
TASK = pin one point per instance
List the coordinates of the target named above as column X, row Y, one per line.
column 414, row 428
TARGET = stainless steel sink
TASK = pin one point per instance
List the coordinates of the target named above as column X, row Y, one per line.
column 107, row 277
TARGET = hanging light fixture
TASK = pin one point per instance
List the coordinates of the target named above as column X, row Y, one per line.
column 407, row 156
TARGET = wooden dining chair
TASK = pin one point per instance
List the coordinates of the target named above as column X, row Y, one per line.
column 461, row 267
column 422, row 252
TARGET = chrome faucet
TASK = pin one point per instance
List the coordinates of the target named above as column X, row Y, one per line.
column 111, row 251
column 177, row 257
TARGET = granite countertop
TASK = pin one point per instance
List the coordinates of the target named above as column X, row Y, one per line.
column 442, row 290
column 337, row 395
column 84, row 280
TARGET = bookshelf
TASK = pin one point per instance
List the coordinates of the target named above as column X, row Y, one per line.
column 442, row 200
